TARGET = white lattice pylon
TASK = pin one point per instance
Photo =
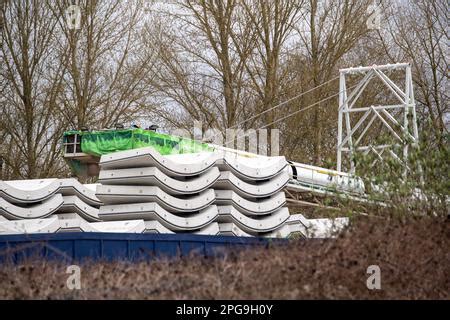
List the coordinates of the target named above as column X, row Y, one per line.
column 399, row 119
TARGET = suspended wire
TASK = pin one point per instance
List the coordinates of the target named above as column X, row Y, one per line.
column 300, row 110
column 282, row 103
column 277, row 106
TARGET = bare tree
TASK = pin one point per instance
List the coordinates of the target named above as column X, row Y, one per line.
column 330, row 31
column 417, row 32
column 200, row 69
column 103, row 82
column 221, row 61
column 273, row 22
column 2, row 8
column 56, row 78
column 30, row 86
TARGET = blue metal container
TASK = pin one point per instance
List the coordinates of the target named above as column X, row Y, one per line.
column 93, row 246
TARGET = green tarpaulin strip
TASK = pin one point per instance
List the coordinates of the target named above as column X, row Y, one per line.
column 98, row 143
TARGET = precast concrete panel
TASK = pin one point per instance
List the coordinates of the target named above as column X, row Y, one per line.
column 153, row 211
column 228, row 181
column 252, row 224
column 35, row 211
column 252, row 208
column 191, row 164
column 152, row 176
column 139, row 194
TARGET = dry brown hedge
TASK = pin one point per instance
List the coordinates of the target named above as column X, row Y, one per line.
column 413, row 256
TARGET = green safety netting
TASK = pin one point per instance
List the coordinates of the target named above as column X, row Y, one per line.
column 98, row 143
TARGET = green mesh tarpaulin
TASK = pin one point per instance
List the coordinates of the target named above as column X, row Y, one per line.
column 98, row 143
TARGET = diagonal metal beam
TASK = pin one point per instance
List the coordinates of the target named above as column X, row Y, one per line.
column 365, row 129
column 379, row 155
column 402, row 100
column 393, row 85
column 356, row 127
column 387, row 125
column 359, row 88
column 405, row 130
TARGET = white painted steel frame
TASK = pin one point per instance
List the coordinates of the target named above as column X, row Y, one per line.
column 348, row 141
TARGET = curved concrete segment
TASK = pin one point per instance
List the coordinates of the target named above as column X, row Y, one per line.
column 68, row 215
column 231, row 229
column 228, row 180
column 139, row 194
column 27, row 191
column 284, row 231
column 31, row 191
column 129, row 226
column 288, row 230
column 250, row 169
column 253, row 225
column 257, row 207
column 71, row 187
column 81, row 225
column 73, row 204
column 187, row 165
column 153, row 211
column 155, row 226
column 152, row 176
column 37, row 211
column 211, row 229
column 298, row 219
column 76, row 224
column 48, row 225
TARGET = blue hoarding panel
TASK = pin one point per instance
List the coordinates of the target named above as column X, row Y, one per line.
column 88, row 249
column 165, row 249
column 60, row 250
column 79, row 246
column 141, row 250
column 115, row 249
column 192, row 248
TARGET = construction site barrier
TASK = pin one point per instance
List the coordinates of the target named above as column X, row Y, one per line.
column 84, row 247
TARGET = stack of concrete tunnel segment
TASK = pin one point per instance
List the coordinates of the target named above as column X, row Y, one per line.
column 54, row 205
column 141, row 191
column 220, row 191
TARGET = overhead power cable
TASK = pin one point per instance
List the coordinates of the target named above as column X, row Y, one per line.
column 282, row 103
column 278, row 105
column 298, row 111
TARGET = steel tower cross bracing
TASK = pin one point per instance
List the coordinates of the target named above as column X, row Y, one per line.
column 398, row 120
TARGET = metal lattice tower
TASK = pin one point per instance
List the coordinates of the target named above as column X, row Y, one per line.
column 397, row 120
